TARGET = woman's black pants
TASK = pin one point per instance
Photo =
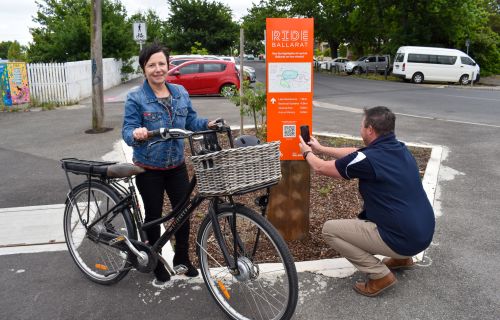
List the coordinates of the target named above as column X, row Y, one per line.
column 152, row 185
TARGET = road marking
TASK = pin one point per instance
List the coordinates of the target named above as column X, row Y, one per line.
column 331, row 106
column 466, row 97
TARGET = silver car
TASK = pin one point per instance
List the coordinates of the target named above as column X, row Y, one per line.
column 337, row 64
column 249, row 72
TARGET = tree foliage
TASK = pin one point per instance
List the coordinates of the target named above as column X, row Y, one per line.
column 254, row 23
column 64, row 32
column 208, row 23
column 382, row 26
column 4, row 48
column 360, row 26
column 15, row 52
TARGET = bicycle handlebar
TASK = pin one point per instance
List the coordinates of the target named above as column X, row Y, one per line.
column 175, row 133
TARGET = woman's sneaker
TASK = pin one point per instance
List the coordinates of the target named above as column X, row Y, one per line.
column 191, row 270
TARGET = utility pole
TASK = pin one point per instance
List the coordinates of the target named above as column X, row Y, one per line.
column 242, row 41
column 96, row 61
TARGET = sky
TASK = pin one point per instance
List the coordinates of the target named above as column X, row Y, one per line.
column 16, row 17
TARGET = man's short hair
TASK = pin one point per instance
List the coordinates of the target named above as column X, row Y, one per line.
column 149, row 50
column 381, row 118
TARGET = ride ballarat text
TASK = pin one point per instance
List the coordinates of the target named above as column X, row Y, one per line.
column 290, row 38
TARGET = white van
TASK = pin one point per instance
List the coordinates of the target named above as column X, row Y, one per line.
column 434, row 64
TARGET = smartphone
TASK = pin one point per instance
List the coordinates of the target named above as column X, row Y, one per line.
column 304, row 132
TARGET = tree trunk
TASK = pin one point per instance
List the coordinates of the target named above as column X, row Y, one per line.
column 334, row 48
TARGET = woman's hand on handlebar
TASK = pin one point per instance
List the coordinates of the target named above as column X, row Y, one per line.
column 215, row 124
column 140, row 134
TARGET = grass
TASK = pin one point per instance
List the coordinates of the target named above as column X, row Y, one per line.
column 34, row 104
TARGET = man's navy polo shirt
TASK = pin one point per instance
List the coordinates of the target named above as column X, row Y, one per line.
column 394, row 198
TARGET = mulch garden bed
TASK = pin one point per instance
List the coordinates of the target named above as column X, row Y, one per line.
column 329, row 199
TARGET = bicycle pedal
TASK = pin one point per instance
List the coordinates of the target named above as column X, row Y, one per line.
column 180, row 269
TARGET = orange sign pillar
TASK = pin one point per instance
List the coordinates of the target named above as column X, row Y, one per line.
column 289, row 85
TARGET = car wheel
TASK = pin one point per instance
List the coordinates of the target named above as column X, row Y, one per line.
column 418, row 77
column 228, row 90
column 357, row 71
column 464, row 80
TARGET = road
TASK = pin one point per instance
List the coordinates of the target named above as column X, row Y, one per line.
column 459, row 281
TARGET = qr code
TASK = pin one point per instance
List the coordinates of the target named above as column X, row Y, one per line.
column 289, row 131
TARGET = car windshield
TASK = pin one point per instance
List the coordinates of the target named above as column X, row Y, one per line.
column 361, row 59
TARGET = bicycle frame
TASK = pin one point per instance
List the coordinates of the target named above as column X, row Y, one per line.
column 179, row 215
column 182, row 213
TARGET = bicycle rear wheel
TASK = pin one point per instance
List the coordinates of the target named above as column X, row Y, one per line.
column 100, row 262
column 266, row 286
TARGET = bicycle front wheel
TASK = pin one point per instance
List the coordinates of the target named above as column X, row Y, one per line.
column 100, row 262
column 266, row 285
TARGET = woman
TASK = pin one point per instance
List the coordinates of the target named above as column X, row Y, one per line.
column 154, row 105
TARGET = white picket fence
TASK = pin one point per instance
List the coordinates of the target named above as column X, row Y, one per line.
column 70, row 82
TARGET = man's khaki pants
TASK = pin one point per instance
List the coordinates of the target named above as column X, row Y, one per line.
column 358, row 240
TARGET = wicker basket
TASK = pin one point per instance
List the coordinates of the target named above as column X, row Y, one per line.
column 238, row 170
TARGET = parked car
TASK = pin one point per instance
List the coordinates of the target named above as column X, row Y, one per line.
column 204, row 77
column 180, row 59
column 338, row 63
column 373, row 63
column 249, row 72
column 435, row 64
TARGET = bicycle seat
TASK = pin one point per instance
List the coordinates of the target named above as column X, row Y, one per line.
column 100, row 168
column 123, row 170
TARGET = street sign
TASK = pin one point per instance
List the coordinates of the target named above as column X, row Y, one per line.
column 140, row 33
column 289, row 56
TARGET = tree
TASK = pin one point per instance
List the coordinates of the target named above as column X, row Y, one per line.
column 331, row 22
column 4, row 49
column 252, row 103
column 15, row 52
column 208, row 23
column 64, row 32
column 254, row 23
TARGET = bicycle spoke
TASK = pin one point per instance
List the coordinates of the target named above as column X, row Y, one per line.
column 259, row 290
column 99, row 261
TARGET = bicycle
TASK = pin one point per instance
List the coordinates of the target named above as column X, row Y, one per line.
column 102, row 222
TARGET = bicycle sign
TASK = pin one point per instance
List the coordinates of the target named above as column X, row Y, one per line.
column 140, row 33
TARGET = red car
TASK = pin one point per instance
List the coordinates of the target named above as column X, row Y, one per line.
column 201, row 77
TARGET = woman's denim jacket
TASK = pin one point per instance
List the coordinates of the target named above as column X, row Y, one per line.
column 142, row 109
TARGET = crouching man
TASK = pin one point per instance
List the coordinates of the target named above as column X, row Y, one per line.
column 397, row 220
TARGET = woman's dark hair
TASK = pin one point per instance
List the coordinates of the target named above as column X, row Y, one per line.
column 149, row 50
column 382, row 120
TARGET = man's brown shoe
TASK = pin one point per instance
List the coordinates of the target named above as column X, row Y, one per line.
column 372, row 288
column 393, row 264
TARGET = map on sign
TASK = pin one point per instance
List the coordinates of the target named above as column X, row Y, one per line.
column 289, row 77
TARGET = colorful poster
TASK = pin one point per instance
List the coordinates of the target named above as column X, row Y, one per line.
column 18, row 81
column 4, row 86
column 289, row 81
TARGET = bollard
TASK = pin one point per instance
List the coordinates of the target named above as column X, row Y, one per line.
column 288, row 208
